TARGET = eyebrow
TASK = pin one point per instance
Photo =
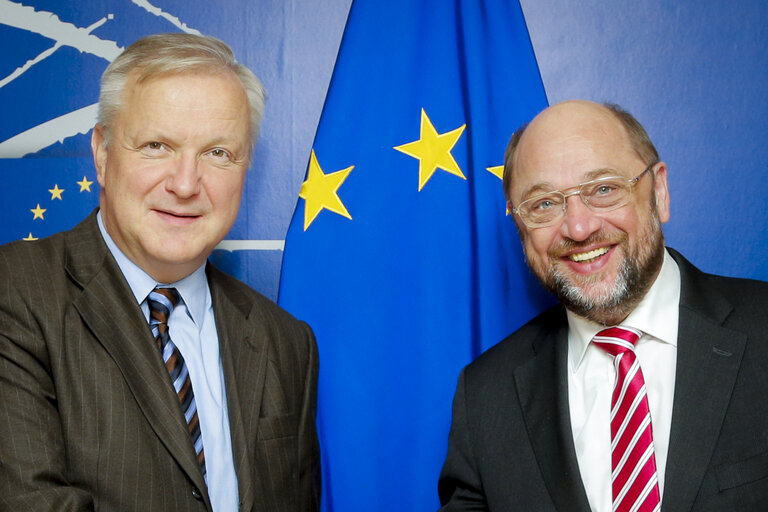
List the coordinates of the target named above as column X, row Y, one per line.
column 539, row 188
column 545, row 186
column 601, row 173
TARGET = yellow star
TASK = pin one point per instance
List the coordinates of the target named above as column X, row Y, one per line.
column 29, row 238
column 319, row 191
column 433, row 150
column 38, row 212
column 497, row 171
column 85, row 185
column 55, row 192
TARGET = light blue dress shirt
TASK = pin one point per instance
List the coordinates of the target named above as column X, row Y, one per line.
column 191, row 322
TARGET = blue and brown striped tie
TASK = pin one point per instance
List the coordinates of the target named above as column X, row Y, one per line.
column 161, row 302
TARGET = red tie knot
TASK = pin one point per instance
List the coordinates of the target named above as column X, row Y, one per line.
column 617, row 340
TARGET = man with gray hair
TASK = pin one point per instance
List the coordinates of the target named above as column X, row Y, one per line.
column 133, row 374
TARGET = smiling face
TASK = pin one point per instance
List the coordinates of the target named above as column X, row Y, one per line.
column 598, row 264
column 172, row 173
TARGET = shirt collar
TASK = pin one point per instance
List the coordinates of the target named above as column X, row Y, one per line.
column 193, row 288
column 656, row 315
column 195, row 293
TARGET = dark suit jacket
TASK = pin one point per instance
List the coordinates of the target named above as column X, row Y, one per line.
column 88, row 417
column 511, row 446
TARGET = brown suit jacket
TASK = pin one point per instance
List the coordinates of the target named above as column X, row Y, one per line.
column 88, row 417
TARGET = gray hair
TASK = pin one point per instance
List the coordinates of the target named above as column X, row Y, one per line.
column 638, row 138
column 163, row 54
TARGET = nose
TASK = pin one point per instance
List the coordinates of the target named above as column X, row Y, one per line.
column 184, row 180
column 579, row 221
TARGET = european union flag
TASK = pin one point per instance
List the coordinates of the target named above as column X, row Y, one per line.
column 400, row 254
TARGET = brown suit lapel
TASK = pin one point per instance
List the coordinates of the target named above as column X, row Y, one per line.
column 108, row 307
column 243, row 345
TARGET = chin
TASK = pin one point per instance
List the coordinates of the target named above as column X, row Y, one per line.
column 602, row 295
column 175, row 253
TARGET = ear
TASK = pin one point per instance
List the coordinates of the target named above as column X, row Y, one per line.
column 99, row 150
column 661, row 190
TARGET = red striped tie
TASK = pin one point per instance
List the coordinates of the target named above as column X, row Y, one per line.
column 634, row 480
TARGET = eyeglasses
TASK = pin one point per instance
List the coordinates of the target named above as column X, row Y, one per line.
column 600, row 195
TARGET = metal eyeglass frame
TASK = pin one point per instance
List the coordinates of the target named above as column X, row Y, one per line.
column 576, row 189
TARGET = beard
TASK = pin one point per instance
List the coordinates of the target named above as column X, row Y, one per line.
column 595, row 298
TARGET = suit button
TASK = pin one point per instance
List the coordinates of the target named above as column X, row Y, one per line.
column 197, row 494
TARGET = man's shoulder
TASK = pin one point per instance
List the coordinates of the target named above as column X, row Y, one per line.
column 245, row 297
column 30, row 257
column 55, row 246
column 23, row 247
column 738, row 291
column 748, row 299
column 38, row 284
column 740, row 288
column 242, row 307
column 536, row 336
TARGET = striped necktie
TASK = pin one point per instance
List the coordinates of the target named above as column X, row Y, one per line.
column 161, row 302
column 633, row 480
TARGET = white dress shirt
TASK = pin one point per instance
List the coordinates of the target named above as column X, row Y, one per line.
column 191, row 322
column 591, row 376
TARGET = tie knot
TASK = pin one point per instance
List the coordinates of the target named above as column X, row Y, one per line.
column 617, row 340
column 161, row 302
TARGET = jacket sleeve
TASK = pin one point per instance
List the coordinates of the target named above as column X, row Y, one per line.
column 309, row 448
column 33, row 475
column 460, row 487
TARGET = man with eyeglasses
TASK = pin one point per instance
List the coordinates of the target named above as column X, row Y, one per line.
column 646, row 388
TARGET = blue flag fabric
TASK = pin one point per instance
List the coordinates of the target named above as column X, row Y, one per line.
column 400, row 255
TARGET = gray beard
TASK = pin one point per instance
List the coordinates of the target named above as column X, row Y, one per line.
column 617, row 300
column 608, row 308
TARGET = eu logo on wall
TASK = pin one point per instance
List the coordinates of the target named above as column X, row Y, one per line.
column 53, row 55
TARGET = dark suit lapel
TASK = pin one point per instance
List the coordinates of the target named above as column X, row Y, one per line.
column 543, row 391
column 708, row 360
column 108, row 307
column 244, row 358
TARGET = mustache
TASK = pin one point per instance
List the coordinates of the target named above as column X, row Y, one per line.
column 566, row 246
